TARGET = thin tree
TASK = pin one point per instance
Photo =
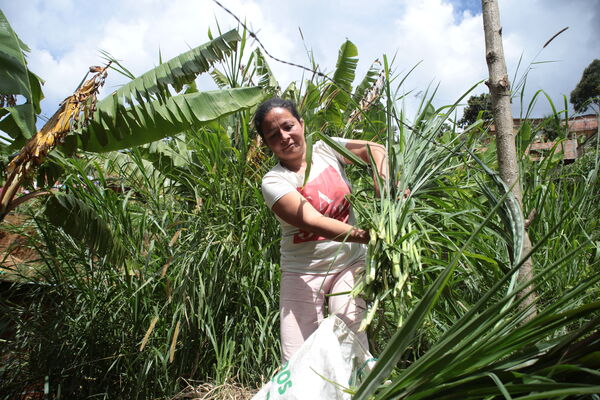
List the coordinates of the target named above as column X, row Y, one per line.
column 499, row 87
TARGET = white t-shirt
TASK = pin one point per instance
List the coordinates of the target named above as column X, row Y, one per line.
column 326, row 191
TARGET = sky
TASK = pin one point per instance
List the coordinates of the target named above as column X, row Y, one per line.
column 444, row 37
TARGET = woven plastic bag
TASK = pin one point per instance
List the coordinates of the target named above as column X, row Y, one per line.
column 331, row 360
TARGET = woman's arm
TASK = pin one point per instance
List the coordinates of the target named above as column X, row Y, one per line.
column 361, row 149
column 297, row 211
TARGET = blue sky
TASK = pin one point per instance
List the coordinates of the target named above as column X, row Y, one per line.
column 472, row 6
column 445, row 37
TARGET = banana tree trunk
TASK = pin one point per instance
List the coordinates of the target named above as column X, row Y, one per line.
column 499, row 87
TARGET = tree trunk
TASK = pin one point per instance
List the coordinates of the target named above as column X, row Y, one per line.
column 499, row 87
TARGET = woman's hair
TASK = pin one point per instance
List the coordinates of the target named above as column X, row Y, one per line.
column 268, row 105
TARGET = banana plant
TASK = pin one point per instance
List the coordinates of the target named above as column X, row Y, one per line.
column 144, row 110
column 337, row 94
column 330, row 104
column 18, row 121
column 150, row 107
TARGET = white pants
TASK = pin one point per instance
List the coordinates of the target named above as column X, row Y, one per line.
column 302, row 306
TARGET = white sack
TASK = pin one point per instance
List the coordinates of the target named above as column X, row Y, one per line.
column 331, row 360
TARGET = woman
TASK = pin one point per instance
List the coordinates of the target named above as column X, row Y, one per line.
column 321, row 250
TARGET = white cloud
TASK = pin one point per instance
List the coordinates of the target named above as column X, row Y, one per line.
column 66, row 36
column 134, row 35
column 450, row 52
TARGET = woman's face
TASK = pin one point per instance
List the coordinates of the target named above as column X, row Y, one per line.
column 284, row 134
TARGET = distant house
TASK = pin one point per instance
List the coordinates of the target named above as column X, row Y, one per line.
column 581, row 130
column 584, row 126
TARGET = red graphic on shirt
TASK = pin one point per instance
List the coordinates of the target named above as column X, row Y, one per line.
column 327, row 194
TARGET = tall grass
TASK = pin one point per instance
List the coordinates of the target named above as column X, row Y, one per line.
column 160, row 263
column 190, row 295
column 480, row 344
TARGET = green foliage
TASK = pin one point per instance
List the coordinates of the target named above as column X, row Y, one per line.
column 367, row 82
column 587, row 91
column 193, row 295
column 242, row 71
column 336, row 96
column 481, row 345
column 263, row 71
column 169, row 271
column 79, row 220
column 144, row 110
column 17, row 120
column 478, row 107
column 551, row 128
column 177, row 72
column 148, row 274
column 152, row 121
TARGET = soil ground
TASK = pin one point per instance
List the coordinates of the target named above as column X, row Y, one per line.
column 16, row 256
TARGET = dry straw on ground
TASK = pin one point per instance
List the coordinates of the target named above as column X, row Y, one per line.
column 208, row 391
